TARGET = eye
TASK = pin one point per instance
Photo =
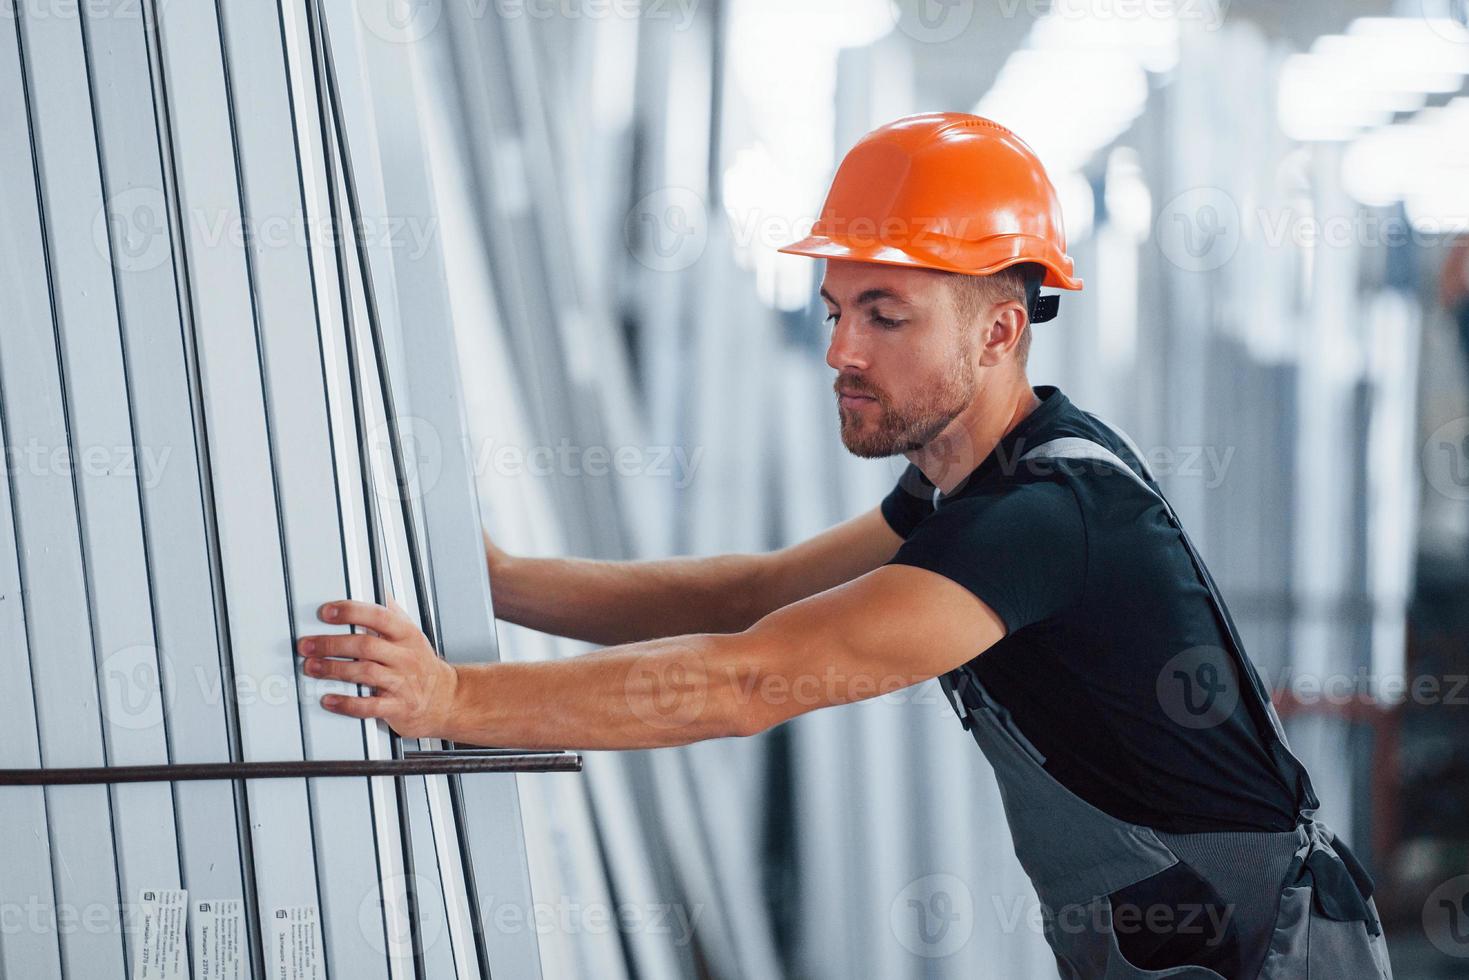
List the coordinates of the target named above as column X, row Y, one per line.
column 831, row 317
column 886, row 323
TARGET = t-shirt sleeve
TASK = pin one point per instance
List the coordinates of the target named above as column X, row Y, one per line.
column 1022, row 551
column 909, row 502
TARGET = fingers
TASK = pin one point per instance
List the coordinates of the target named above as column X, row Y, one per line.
column 353, row 672
column 358, row 646
column 381, row 620
column 376, row 707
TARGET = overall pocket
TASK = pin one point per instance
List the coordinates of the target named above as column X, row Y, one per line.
column 1175, row 919
column 1310, row 946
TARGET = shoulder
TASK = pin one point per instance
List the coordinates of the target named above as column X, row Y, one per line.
column 1021, row 547
column 1032, row 496
column 1015, row 517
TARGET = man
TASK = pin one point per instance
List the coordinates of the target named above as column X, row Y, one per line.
column 1026, row 558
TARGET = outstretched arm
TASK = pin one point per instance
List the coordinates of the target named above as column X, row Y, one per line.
column 882, row 631
column 627, row 601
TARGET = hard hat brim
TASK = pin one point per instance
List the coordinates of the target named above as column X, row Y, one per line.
column 982, row 258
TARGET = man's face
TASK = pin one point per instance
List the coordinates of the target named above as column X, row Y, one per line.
column 904, row 362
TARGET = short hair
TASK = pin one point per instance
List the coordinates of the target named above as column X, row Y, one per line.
column 973, row 293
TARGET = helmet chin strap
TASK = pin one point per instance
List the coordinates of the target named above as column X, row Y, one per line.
column 1041, row 308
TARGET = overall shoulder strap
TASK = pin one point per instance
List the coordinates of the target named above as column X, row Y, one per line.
column 1261, row 709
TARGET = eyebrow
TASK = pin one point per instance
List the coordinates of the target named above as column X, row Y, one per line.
column 868, row 296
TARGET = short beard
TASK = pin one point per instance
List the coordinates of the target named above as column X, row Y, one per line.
column 906, row 428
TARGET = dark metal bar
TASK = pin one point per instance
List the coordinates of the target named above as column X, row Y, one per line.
column 414, row 764
column 470, row 750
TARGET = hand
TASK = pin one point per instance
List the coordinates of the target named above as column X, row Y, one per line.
column 414, row 687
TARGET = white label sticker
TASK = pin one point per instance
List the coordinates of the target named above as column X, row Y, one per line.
column 219, row 939
column 295, row 944
column 160, row 951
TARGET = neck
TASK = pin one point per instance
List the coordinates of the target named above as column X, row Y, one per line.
column 947, row 459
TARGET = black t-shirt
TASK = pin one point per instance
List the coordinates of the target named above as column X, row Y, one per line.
column 1102, row 607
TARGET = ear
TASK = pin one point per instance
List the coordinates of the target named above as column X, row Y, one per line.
column 1002, row 334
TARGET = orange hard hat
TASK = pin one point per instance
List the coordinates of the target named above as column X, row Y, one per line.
column 943, row 190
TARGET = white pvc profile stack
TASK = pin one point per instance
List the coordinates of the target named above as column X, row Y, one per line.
column 190, row 379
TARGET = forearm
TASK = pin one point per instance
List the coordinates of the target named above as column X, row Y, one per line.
column 663, row 692
column 609, row 602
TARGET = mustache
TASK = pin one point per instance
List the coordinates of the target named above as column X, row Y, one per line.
column 858, row 385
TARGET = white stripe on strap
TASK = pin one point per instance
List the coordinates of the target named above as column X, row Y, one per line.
column 1075, row 447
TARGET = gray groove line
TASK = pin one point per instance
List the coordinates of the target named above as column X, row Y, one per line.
column 629, row 869
column 382, row 586
column 420, row 607
column 373, row 518
column 64, row 816
column 27, row 808
column 202, row 813
column 472, row 634
column 343, row 296
column 327, row 72
column 195, row 384
column 296, row 425
column 396, row 543
column 143, row 522
column 227, row 356
column 363, row 416
column 9, row 225
column 148, row 800
column 361, row 533
column 331, row 436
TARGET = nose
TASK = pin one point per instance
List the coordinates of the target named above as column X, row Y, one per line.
column 844, row 349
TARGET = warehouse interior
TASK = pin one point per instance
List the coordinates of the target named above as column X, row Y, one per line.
column 298, row 296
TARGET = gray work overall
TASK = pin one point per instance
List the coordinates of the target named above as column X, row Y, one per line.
column 1292, row 905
